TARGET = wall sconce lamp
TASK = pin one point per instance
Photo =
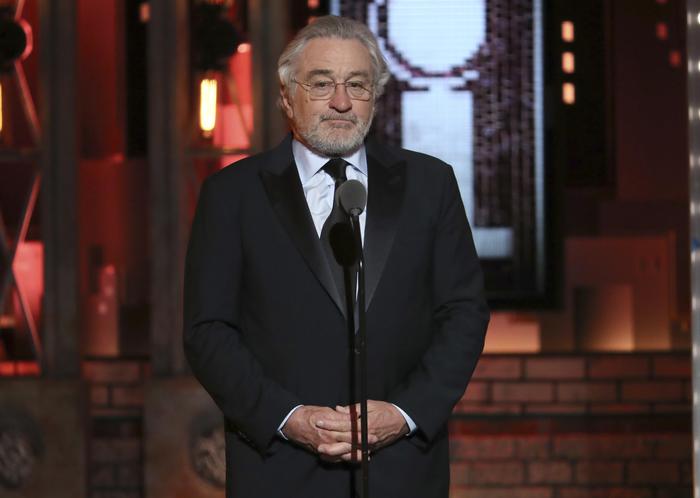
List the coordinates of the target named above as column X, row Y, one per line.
column 214, row 40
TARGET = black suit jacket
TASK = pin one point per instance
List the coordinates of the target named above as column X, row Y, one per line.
column 265, row 327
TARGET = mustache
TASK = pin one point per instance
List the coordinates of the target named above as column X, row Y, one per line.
column 339, row 117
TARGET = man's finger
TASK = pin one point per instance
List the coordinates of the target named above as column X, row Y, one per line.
column 355, row 456
column 337, row 437
column 343, row 425
column 334, row 449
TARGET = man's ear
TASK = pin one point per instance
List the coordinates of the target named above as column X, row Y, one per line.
column 285, row 103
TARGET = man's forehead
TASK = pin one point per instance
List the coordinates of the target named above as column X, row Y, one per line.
column 335, row 55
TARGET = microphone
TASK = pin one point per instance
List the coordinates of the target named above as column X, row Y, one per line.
column 353, row 197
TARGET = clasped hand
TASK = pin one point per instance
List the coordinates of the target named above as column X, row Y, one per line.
column 330, row 432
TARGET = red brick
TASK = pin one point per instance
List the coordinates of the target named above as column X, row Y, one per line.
column 586, row 391
column 616, row 408
column 115, row 494
column 555, row 408
column 674, row 366
column 652, row 391
column 674, row 447
column 532, row 446
column 481, row 448
column 687, row 473
column 476, row 391
column 523, row 391
column 129, row 476
column 109, row 412
column 628, row 366
column 99, row 395
column 555, row 368
column 115, row 451
column 605, row 492
column 675, row 492
column 127, row 396
column 653, row 473
column 605, row 446
column 684, row 407
column 498, row 368
column 599, row 472
column 509, row 492
column 488, row 409
column 102, row 475
column 502, row 473
column 549, row 472
column 112, row 371
column 459, row 473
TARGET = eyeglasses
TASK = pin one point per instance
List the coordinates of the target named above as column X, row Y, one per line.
column 324, row 89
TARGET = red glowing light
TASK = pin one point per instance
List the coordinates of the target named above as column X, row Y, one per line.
column 28, row 268
column 144, row 12
column 674, row 58
column 19, row 369
column 661, row 30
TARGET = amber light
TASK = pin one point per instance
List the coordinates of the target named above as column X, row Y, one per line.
column 207, row 105
column 568, row 93
column 568, row 64
column 567, row 31
column 144, row 12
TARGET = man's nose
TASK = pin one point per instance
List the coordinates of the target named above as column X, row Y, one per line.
column 340, row 100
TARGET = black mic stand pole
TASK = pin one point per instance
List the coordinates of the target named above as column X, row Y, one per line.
column 361, row 352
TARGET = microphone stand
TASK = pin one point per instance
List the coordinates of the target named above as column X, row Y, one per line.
column 360, row 351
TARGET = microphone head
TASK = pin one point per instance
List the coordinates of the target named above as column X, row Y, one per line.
column 353, row 197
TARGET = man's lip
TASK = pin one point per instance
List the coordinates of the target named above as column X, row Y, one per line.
column 335, row 120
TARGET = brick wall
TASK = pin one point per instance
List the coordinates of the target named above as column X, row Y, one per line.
column 529, row 426
column 115, row 450
column 570, row 426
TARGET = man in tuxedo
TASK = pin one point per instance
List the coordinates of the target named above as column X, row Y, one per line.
column 265, row 315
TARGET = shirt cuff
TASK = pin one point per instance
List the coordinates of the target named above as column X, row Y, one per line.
column 409, row 421
column 279, row 429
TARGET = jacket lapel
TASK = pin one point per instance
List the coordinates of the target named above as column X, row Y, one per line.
column 386, row 175
column 284, row 190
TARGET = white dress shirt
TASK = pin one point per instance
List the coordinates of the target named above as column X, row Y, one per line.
column 319, row 190
column 319, row 186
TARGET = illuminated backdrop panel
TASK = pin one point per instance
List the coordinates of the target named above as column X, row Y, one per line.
column 467, row 88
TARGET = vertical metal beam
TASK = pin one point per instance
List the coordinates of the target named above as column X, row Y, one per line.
column 168, row 89
column 269, row 25
column 59, row 190
column 693, row 40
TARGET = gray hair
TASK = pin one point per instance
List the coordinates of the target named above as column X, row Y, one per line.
column 334, row 27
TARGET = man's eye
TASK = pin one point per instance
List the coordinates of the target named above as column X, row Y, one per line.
column 321, row 84
column 354, row 84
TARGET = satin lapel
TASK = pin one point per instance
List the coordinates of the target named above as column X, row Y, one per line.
column 385, row 198
column 287, row 198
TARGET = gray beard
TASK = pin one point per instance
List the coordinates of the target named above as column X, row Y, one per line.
column 335, row 146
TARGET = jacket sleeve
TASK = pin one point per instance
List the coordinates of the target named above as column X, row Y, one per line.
column 213, row 341
column 460, row 317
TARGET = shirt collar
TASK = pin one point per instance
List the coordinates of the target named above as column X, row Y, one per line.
column 309, row 163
